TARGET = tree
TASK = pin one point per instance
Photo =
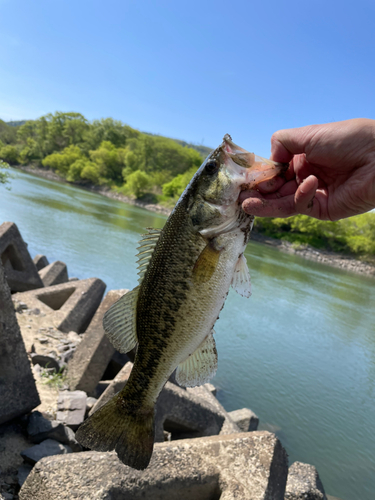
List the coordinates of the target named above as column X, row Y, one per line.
column 137, row 183
column 4, row 176
column 9, row 154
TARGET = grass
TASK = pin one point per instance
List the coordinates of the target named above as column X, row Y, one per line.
column 56, row 380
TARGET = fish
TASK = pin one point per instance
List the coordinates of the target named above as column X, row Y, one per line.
column 185, row 272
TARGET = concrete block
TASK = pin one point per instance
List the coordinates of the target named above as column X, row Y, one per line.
column 18, row 393
column 93, row 354
column 241, row 466
column 71, row 408
column 245, row 419
column 54, row 274
column 181, row 412
column 304, row 483
column 40, row 428
column 44, row 449
column 40, row 261
column 69, row 306
column 20, row 271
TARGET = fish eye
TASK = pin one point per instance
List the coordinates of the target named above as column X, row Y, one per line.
column 212, row 167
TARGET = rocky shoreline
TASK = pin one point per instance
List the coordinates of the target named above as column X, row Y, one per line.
column 341, row 261
column 59, row 367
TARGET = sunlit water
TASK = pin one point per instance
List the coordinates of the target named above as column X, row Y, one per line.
column 300, row 352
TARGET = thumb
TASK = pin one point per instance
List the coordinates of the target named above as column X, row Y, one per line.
column 289, row 142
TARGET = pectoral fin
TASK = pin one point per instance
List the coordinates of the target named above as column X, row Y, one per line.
column 200, row 366
column 206, row 263
column 119, row 322
column 241, row 277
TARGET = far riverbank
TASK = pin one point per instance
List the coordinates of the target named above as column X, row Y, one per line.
column 323, row 256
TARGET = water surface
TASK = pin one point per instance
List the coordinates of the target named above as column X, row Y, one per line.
column 300, row 352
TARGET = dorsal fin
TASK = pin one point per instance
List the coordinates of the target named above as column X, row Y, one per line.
column 145, row 249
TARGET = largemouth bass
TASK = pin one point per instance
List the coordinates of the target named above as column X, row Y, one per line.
column 186, row 270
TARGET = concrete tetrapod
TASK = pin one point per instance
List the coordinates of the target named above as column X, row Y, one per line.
column 246, row 466
column 69, row 306
column 18, row 393
column 181, row 412
column 20, row 271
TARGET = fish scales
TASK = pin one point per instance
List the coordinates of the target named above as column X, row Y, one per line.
column 171, row 314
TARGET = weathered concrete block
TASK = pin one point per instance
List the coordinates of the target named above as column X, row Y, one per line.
column 241, row 466
column 304, row 483
column 93, row 354
column 20, row 271
column 71, row 408
column 18, row 393
column 44, row 449
column 184, row 413
column 69, row 306
column 245, row 419
column 40, row 428
column 54, row 274
column 40, row 261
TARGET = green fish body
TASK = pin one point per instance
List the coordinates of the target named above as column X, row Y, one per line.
column 186, row 270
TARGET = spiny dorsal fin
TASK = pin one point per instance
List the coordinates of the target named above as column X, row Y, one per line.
column 146, row 247
column 200, row 366
column 119, row 322
column 241, row 278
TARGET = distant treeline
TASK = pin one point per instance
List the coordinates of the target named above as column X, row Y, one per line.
column 153, row 167
column 102, row 152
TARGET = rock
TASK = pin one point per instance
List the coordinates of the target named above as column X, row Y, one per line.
column 210, row 400
column 13, row 440
column 184, row 413
column 20, row 271
column 69, row 306
column 304, row 483
column 244, row 466
column 23, row 471
column 71, row 408
column 45, row 361
column 40, row 428
column 18, row 393
column 90, row 403
column 54, row 274
column 93, row 354
column 44, row 449
column 245, row 419
column 211, row 388
column 40, row 261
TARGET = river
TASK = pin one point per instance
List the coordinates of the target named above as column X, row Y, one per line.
column 300, row 352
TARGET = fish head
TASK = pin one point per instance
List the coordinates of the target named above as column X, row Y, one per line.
column 227, row 171
column 230, row 169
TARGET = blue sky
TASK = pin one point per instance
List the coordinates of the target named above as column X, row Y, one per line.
column 190, row 70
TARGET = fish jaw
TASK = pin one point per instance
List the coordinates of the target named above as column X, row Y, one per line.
column 246, row 170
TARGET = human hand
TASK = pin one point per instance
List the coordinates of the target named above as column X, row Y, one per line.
column 331, row 174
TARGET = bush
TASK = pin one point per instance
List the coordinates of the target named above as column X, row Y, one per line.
column 9, row 154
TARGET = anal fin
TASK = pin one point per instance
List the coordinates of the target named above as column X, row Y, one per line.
column 200, row 366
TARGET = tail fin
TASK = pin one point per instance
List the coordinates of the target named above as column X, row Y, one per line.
column 119, row 426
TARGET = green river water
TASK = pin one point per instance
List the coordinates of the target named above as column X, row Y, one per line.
column 300, row 352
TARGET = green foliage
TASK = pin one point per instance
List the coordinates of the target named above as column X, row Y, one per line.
column 8, row 134
column 54, row 379
column 110, row 161
column 176, row 186
column 9, row 154
column 62, row 161
column 137, row 183
column 4, row 176
column 355, row 235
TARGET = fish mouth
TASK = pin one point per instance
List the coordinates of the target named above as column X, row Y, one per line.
column 247, row 169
